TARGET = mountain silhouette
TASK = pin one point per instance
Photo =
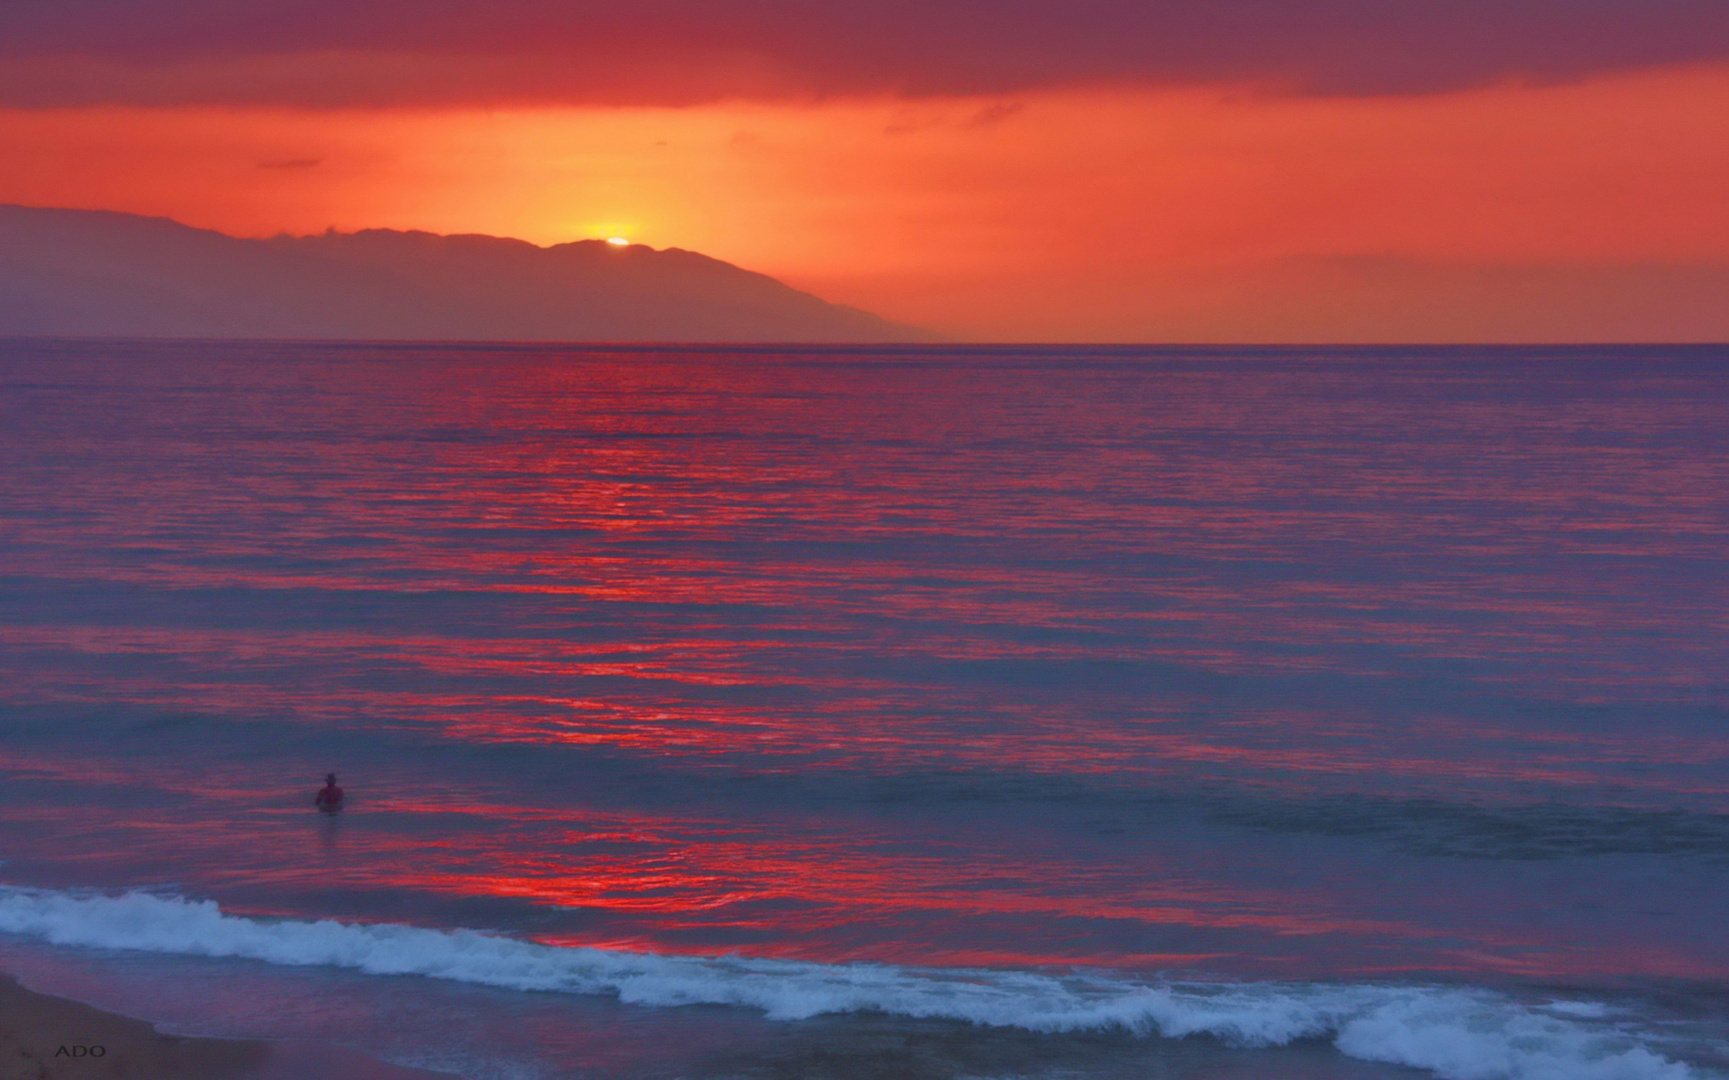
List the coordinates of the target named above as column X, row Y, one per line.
column 100, row 273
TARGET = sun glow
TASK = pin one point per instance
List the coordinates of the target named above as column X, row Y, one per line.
column 1096, row 214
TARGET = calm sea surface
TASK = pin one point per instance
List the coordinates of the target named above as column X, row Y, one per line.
column 1253, row 714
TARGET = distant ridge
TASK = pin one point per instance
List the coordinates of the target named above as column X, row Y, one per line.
column 100, row 273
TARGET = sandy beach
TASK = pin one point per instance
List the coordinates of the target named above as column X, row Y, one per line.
column 51, row 1038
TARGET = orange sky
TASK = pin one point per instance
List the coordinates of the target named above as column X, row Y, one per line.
column 1591, row 210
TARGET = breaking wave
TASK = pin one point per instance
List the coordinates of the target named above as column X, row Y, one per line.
column 1455, row 1033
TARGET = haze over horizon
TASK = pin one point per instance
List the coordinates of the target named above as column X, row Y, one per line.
column 1251, row 171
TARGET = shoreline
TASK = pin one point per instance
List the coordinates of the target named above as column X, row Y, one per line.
column 43, row 1037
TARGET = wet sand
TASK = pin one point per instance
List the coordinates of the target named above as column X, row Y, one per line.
column 51, row 1038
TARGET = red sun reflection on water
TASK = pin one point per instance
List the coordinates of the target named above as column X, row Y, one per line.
column 1154, row 660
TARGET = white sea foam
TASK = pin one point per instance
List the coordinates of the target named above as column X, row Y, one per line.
column 1454, row 1033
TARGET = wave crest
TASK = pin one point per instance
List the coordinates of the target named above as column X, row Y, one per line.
column 1457, row 1034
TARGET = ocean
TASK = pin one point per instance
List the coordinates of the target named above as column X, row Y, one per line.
column 973, row 712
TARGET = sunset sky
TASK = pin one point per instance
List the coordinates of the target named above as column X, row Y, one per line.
column 1245, row 170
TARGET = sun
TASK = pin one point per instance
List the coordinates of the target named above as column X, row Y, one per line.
column 618, row 241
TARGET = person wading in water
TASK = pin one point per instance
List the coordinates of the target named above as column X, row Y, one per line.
column 329, row 797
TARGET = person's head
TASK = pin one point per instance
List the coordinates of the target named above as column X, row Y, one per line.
column 330, row 778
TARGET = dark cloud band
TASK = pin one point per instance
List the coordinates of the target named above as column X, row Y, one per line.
column 337, row 52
